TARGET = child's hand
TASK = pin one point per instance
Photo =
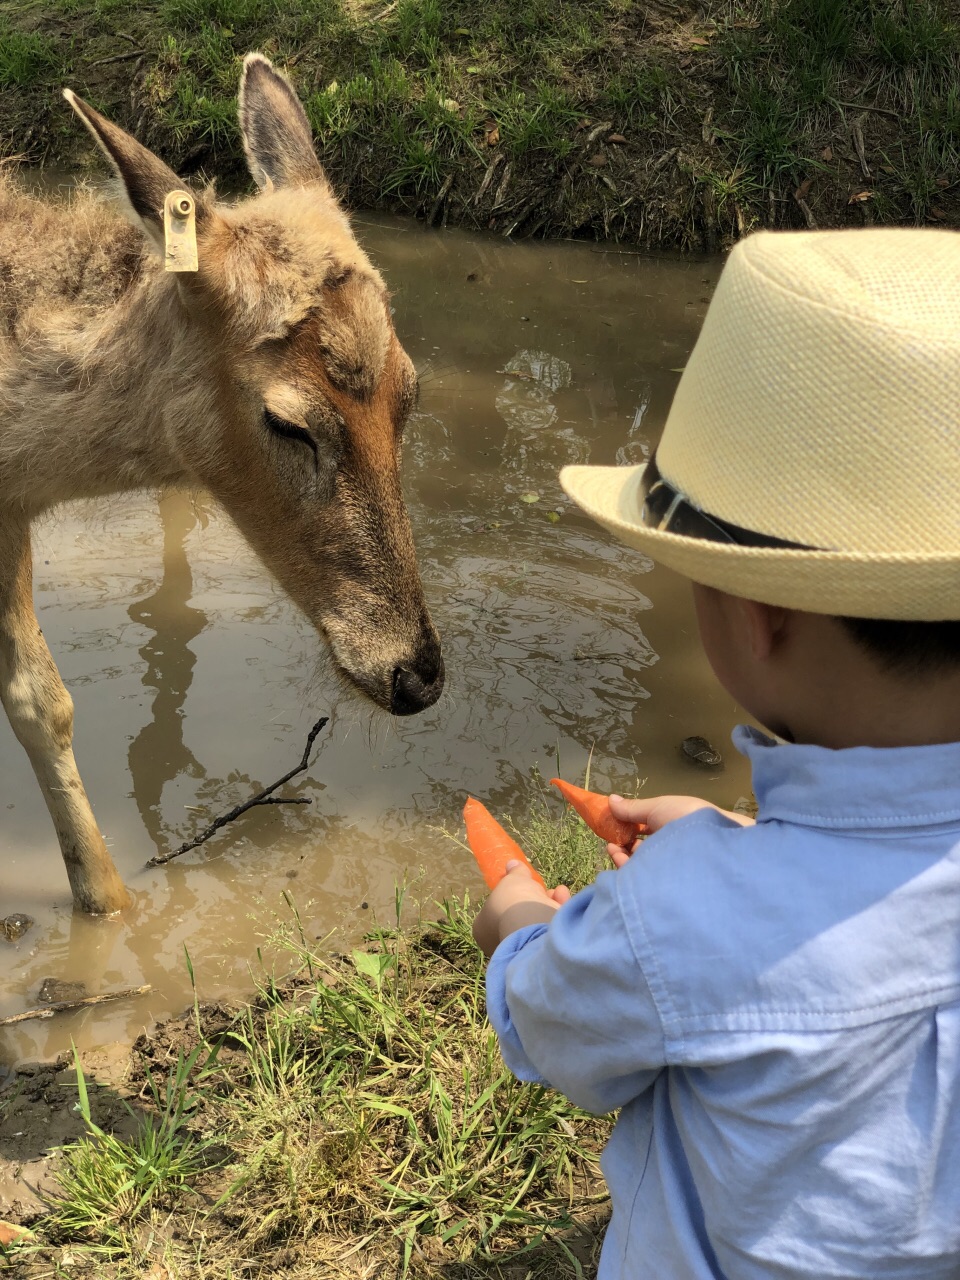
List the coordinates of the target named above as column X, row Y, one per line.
column 655, row 812
column 516, row 902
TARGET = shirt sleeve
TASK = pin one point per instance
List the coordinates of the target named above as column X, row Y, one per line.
column 571, row 1006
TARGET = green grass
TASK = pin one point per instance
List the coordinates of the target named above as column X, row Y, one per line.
column 27, row 56
column 803, row 75
column 724, row 115
column 108, row 1186
column 356, row 1108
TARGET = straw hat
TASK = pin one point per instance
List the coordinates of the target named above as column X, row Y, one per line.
column 820, row 409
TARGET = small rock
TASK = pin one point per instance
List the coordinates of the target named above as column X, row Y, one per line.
column 699, row 751
column 14, row 927
column 53, row 991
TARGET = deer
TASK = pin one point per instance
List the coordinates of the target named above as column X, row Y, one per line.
column 267, row 372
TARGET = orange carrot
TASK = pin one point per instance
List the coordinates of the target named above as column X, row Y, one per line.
column 490, row 844
column 594, row 809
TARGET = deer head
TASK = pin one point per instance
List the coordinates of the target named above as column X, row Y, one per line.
column 299, row 390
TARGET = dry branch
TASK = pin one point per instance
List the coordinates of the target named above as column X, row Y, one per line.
column 441, row 196
column 58, row 1006
column 119, row 57
column 262, row 797
column 488, row 176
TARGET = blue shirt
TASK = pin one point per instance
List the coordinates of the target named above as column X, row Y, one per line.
column 776, row 1009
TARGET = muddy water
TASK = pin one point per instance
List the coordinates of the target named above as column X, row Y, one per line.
column 195, row 682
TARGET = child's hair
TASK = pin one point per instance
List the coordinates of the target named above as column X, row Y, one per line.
column 917, row 649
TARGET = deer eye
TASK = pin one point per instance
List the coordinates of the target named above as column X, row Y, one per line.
column 289, row 430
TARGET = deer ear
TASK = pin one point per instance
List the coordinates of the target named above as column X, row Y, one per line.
column 144, row 178
column 276, row 132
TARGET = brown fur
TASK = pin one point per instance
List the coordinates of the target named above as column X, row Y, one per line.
column 272, row 377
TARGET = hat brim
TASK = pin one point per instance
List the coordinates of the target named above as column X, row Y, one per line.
column 918, row 587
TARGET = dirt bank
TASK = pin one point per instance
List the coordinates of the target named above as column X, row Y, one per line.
column 662, row 124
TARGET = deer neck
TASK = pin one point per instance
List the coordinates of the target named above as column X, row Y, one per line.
column 86, row 408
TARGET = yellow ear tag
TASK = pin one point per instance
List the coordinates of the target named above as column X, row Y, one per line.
column 180, row 232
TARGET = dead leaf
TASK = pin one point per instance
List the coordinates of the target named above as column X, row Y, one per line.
column 492, row 135
column 936, row 212
column 700, row 41
column 598, row 161
column 942, row 183
column 859, row 197
column 826, row 153
column 159, row 1271
column 804, row 187
column 451, row 105
column 617, row 139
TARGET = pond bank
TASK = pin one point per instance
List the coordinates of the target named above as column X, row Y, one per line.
column 660, row 124
column 354, row 1120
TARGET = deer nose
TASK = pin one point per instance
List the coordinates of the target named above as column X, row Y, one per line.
column 412, row 693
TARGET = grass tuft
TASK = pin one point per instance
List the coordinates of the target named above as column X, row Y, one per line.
column 108, row 1186
column 26, row 57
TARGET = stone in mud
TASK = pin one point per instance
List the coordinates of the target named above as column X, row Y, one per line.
column 14, row 927
column 53, row 991
column 699, row 751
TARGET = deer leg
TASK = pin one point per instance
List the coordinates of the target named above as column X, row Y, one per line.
column 41, row 714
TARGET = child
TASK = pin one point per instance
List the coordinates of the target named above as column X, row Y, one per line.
column 775, row 1006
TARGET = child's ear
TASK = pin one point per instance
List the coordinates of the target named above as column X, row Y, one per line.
column 765, row 625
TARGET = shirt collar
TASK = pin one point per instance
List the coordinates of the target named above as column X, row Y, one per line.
column 865, row 787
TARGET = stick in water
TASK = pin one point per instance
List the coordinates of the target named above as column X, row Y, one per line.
column 48, row 1010
column 262, row 797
